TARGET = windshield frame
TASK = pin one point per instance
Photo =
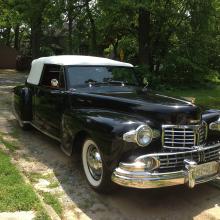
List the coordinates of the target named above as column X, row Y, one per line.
column 82, row 85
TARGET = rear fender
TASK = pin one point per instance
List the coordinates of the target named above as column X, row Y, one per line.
column 23, row 103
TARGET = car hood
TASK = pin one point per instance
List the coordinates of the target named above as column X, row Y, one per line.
column 131, row 100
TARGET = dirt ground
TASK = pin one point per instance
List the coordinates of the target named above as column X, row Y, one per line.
column 42, row 161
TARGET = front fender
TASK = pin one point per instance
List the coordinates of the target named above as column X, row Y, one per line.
column 106, row 128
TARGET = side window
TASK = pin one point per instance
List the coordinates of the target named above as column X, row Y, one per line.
column 50, row 73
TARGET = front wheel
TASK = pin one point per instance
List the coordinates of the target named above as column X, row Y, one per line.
column 95, row 170
column 25, row 126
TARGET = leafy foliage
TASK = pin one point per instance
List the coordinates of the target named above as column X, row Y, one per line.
column 175, row 40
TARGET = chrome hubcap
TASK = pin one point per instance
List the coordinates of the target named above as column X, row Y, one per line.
column 94, row 162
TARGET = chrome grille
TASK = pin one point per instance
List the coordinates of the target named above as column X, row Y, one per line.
column 183, row 136
column 175, row 160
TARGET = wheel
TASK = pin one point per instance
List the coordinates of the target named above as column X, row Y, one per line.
column 95, row 170
column 25, row 126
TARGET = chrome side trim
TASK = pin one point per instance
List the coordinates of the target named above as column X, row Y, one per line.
column 45, row 132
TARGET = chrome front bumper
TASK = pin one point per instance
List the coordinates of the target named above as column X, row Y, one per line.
column 146, row 180
column 129, row 176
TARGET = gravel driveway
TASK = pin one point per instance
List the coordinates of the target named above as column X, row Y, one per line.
column 42, row 161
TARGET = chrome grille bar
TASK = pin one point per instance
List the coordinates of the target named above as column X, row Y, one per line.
column 176, row 160
column 184, row 136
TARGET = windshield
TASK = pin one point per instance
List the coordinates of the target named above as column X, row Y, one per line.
column 80, row 76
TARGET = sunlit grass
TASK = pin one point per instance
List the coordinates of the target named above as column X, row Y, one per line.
column 15, row 195
column 52, row 201
column 206, row 98
column 8, row 144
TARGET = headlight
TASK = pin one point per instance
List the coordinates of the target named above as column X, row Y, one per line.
column 142, row 135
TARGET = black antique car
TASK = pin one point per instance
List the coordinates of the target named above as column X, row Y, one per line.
column 126, row 134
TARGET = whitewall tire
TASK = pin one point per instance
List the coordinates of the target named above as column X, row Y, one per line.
column 94, row 168
column 92, row 163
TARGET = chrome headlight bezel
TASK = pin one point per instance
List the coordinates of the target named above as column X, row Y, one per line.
column 144, row 128
column 132, row 136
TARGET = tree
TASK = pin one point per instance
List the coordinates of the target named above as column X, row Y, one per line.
column 173, row 39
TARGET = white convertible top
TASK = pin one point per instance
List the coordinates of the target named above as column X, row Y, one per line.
column 37, row 65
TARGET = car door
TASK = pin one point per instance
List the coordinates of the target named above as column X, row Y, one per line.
column 49, row 100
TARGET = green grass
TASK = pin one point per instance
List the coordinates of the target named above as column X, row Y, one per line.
column 34, row 177
column 206, row 98
column 8, row 144
column 53, row 202
column 15, row 195
column 54, row 184
column 42, row 215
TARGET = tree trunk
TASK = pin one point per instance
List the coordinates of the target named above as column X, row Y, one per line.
column 36, row 19
column 93, row 29
column 36, row 37
column 70, row 33
column 115, row 49
column 16, row 39
column 70, row 11
column 144, row 36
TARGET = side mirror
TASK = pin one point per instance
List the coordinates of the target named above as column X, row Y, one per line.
column 54, row 83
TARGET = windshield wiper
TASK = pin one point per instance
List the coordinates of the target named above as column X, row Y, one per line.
column 92, row 82
column 110, row 81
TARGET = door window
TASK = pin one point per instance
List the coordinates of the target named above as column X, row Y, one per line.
column 52, row 77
